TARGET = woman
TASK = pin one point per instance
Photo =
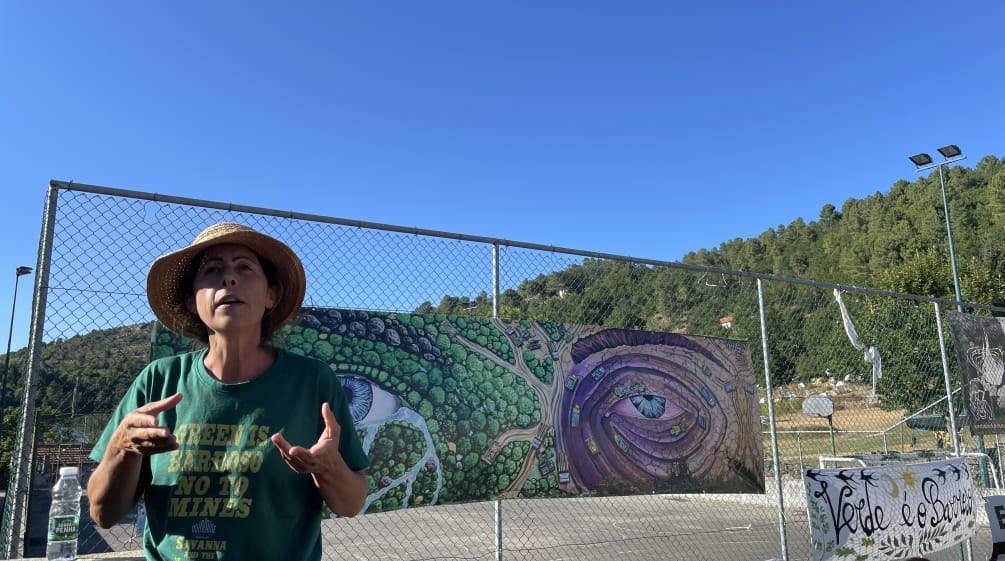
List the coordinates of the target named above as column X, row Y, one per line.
column 202, row 437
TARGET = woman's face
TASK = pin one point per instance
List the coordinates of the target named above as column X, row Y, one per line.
column 230, row 291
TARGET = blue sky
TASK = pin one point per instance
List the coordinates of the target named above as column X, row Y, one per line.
column 640, row 128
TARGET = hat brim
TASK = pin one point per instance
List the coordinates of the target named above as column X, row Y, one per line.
column 168, row 297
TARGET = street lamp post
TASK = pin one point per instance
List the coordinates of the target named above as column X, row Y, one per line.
column 21, row 271
column 924, row 162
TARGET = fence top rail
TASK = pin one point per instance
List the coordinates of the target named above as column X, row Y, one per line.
column 876, row 432
column 231, row 207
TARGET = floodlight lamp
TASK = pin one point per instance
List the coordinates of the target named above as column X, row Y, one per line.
column 921, row 159
column 23, row 271
column 950, row 151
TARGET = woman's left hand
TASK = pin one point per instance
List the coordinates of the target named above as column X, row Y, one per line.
column 320, row 458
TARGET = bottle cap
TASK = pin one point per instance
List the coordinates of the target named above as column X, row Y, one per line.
column 67, row 471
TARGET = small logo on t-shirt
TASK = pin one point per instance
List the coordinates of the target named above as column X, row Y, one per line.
column 203, row 528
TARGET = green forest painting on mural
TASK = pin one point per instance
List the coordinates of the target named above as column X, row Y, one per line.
column 455, row 409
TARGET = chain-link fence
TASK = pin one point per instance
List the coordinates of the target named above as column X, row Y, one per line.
column 895, row 406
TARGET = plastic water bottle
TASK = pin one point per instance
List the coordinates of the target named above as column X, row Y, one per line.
column 64, row 517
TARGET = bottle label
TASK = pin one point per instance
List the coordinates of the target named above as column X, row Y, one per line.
column 63, row 528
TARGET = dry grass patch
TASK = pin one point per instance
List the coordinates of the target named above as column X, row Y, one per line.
column 860, row 418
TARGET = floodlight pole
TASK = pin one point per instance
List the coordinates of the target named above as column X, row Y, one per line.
column 949, row 227
column 951, row 154
column 949, row 235
column 18, row 273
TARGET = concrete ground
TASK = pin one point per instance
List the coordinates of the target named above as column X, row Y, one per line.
column 643, row 528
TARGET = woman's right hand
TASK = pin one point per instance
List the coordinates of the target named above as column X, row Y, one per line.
column 139, row 433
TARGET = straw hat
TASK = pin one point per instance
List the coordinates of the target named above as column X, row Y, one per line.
column 168, row 295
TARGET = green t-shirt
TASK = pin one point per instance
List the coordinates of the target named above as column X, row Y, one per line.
column 226, row 492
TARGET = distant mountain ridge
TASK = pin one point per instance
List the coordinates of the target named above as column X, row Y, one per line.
column 85, row 373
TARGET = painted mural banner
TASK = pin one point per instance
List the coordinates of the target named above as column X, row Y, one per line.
column 889, row 512
column 456, row 409
column 979, row 343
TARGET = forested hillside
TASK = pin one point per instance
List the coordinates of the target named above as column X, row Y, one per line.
column 894, row 241
column 80, row 375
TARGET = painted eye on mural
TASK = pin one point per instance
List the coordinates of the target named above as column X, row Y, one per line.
column 650, row 406
column 367, row 401
column 646, row 406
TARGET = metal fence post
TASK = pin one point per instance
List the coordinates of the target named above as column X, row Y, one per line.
column 495, row 280
column 771, row 416
column 16, row 507
column 945, row 376
column 499, row 523
column 495, row 314
column 965, row 550
column 799, row 447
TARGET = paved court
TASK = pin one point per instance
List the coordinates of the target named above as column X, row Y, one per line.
column 647, row 528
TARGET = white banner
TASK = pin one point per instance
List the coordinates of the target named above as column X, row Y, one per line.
column 889, row 512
